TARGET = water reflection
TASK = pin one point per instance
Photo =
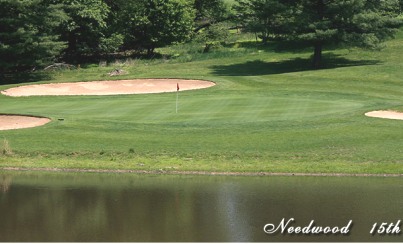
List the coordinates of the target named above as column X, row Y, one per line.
column 124, row 207
column 5, row 182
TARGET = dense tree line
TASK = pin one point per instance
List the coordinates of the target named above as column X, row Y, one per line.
column 35, row 32
column 38, row 32
column 28, row 35
column 362, row 23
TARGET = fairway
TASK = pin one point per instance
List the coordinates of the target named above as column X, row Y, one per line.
column 268, row 112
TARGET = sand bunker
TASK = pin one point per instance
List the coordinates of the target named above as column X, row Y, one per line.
column 385, row 114
column 11, row 122
column 111, row 87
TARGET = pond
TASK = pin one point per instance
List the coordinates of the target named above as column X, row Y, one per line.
column 45, row 206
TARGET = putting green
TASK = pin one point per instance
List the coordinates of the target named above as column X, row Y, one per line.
column 115, row 87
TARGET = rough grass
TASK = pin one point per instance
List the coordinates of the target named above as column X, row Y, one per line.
column 269, row 112
column 5, row 148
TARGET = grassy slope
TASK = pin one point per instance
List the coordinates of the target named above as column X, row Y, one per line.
column 268, row 112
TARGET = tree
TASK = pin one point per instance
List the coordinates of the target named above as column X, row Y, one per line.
column 85, row 27
column 123, row 17
column 209, row 12
column 169, row 21
column 213, row 36
column 149, row 24
column 27, row 34
column 362, row 23
column 267, row 17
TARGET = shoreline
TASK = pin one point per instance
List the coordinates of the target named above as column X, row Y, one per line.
column 207, row 173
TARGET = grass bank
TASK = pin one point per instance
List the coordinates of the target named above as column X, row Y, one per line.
column 269, row 112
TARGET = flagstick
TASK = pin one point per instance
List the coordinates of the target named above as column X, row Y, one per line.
column 177, row 96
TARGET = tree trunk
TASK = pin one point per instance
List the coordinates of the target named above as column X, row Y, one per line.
column 150, row 51
column 317, row 56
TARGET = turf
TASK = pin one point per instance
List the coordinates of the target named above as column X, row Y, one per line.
column 268, row 112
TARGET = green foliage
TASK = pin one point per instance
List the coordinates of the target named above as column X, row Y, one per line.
column 154, row 23
column 212, row 11
column 360, row 23
column 84, row 29
column 363, row 23
column 269, row 18
column 27, row 34
column 35, row 32
column 168, row 21
column 213, row 36
column 111, row 44
column 338, row 21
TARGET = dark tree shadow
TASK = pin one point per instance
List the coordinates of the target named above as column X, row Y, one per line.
column 259, row 67
column 286, row 46
column 276, row 46
column 23, row 77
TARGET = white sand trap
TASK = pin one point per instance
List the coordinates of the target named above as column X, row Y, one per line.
column 110, row 87
column 385, row 114
column 12, row 122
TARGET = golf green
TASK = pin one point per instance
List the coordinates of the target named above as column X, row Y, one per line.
column 268, row 112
